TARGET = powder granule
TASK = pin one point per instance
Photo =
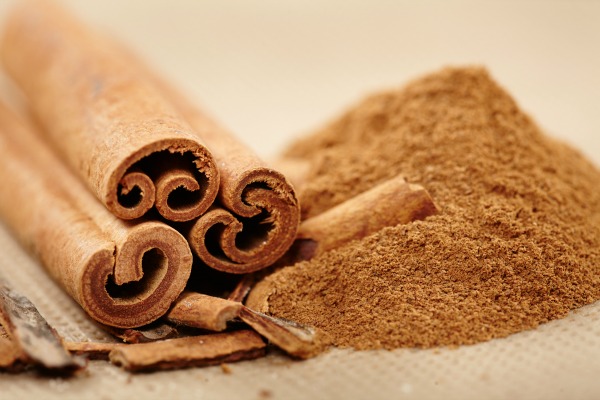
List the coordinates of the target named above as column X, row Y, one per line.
column 517, row 242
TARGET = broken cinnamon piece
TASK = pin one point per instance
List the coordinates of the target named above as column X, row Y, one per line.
column 390, row 203
column 123, row 275
column 113, row 128
column 144, row 334
column 192, row 351
column 92, row 350
column 202, row 311
column 295, row 339
column 32, row 334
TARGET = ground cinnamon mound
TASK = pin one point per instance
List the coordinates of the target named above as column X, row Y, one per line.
column 516, row 243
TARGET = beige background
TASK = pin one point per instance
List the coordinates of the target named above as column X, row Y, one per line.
column 271, row 70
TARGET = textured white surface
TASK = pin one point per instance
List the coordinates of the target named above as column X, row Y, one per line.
column 271, row 70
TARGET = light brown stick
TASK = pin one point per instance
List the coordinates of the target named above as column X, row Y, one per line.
column 123, row 275
column 193, row 351
column 128, row 145
column 259, row 213
column 205, row 312
column 390, row 203
column 37, row 340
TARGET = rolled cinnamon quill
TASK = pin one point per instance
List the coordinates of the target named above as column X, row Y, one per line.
column 123, row 275
column 258, row 216
column 111, row 126
column 390, row 203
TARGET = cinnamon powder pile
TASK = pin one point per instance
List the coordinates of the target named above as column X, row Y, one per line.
column 516, row 244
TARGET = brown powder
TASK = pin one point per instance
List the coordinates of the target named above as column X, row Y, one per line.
column 517, row 242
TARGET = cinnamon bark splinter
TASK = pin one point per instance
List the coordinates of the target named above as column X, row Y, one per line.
column 192, row 351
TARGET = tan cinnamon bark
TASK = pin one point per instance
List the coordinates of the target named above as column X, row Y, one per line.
column 123, row 275
column 111, row 126
column 201, row 311
column 192, row 351
column 390, row 203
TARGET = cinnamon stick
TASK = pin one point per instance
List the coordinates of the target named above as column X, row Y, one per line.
column 123, row 275
column 128, row 145
column 257, row 214
column 34, row 338
column 201, row 311
column 192, row 351
column 390, row 203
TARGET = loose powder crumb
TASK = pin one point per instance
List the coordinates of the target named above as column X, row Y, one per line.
column 517, row 242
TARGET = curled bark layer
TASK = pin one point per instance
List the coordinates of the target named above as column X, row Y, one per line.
column 112, row 127
column 123, row 275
